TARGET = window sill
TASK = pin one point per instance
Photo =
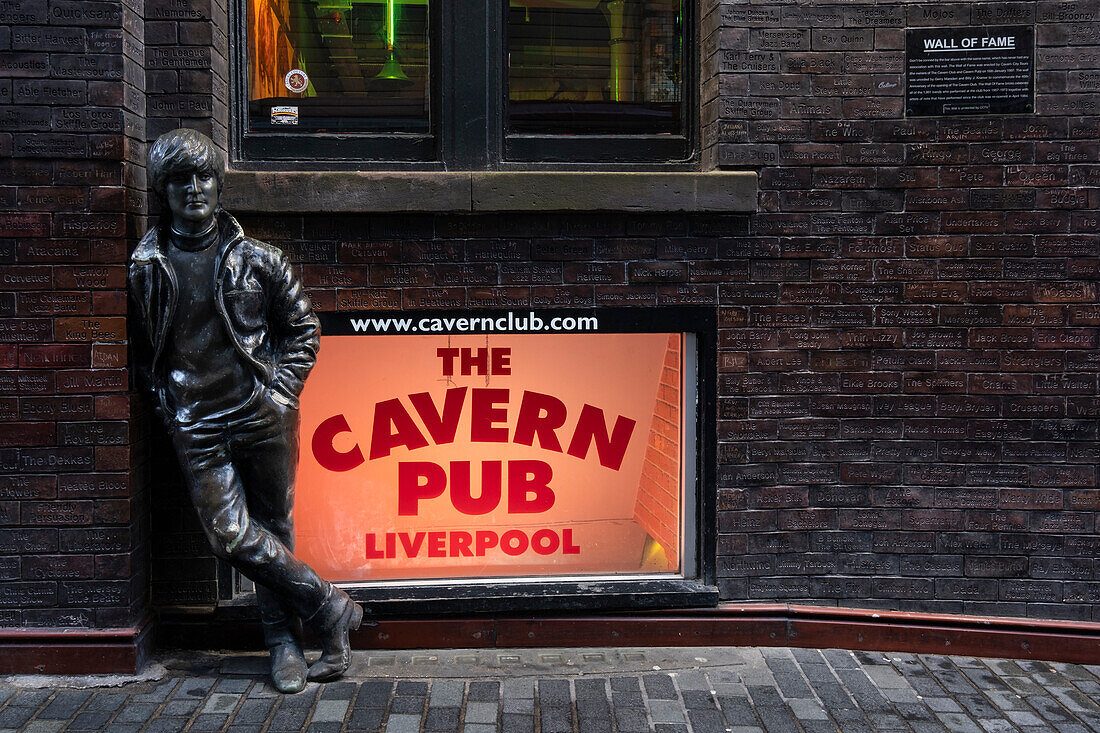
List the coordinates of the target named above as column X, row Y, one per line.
column 488, row 191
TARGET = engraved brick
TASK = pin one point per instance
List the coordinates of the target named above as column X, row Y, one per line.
column 53, row 356
column 27, row 541
column 99, row 67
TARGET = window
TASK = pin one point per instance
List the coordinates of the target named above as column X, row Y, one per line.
column 464, row 84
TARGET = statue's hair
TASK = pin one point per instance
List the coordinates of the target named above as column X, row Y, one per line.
column 183, row 151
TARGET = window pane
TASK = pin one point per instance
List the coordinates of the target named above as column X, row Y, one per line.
column 594, row 66
column 338, row 65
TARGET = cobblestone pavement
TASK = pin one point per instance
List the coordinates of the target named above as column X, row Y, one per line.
column 734, row 690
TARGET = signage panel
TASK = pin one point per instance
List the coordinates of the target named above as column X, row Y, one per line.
column 433, row 449
column 970, row 70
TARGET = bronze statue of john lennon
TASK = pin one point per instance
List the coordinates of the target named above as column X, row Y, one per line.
column 232, row 336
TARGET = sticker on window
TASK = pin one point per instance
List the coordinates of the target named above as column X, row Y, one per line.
column 284, row 115
column 296, row 80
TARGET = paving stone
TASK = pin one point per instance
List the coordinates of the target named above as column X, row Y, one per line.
column 862, row 692
column 193, row 687
column 924, row 726
column 631, row 720
column 338, row 690
column 691, row 680
column 374, row 694
column 773, row 713
column 207, row 722
column 706, row 721
column 958, row 723
column 699, row 700
column 180, row 707
column 789, row 678
column 440, row 718
column 13, row 717
column 403, row 724
column 911, row 712
column 666, row 711
column 840, row 659
column 366, row 719
column 233, row 685
column 1024, row 718
column 91, row 720
column 158, row 694
column 480, row 712
column 446, row 693
column 554, row 692
column 484, row 691
column 737, row 710
column 510, row 723
column 627, row 699
column 330, row 711
column 168, row 724
column 518, row 688
column 659, row 687
column 221, row 703
column 289, row 718
column 253, row 711
column 410, row 705
column 942, row 704
column 594, row 725
column 593, row 709
column 64, row 705
column 43, row 726
column 1050, row 711
column 556, row 719
column 808, row 709
column 30, row 698
column 106, row 701
column 137, row 712
column 623, row 684
column 590, row 688
column 412, row 687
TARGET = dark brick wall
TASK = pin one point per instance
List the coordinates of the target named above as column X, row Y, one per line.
column 73, row 505
column 909, row 386
column 908, row 357
column 186, row 75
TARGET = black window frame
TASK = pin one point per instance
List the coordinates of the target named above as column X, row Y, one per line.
column 466, row 87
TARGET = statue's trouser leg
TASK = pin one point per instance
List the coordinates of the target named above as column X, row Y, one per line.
column 240, row 476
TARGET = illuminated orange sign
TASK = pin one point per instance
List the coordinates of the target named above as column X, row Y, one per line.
column 432, row 456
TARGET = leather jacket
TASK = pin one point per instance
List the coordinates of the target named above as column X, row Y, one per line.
column 260, row 299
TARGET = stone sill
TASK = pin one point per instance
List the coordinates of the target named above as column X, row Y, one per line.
column 488, row 191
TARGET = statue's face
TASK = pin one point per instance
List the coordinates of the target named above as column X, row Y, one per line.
column 192, row 197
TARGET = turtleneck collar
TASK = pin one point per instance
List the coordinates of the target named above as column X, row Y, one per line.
column 196, row 242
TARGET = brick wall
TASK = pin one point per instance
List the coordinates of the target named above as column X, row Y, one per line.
column 73, row 505
column 908, row 351
column 908, row 356
column 909, row 385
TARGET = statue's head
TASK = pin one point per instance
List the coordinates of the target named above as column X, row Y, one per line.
column 186, row 170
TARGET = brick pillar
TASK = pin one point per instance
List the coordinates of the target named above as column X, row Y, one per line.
column 187, row 67
column 72, row 128
column 186, row 73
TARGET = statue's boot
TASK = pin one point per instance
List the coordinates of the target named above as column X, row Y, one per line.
column 288, row 667
column 337, row 616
